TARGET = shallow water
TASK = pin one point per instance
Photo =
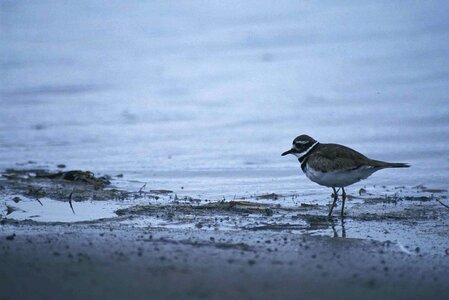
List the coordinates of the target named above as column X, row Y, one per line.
column 202, row 100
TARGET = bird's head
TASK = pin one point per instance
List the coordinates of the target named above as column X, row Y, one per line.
column 300, row 145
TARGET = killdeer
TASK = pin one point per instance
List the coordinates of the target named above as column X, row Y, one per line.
column 334, row 165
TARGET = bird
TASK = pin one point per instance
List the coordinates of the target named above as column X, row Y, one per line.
column 335, row 166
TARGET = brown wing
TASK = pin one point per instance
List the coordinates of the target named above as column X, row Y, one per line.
column 329, row 157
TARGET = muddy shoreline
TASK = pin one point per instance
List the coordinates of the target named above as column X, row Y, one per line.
column 160, row 245
column 109, row 261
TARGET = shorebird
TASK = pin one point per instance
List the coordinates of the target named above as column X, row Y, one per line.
column 335, row 166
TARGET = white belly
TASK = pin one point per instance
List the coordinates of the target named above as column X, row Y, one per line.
column 339, row 178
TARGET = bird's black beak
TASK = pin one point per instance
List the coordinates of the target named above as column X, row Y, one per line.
column 291, row 151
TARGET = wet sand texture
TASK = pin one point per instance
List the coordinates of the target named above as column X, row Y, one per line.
column 108, row 262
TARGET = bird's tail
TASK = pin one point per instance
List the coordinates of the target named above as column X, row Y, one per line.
column 384, row 164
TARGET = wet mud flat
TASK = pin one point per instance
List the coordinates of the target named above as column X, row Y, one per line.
column 110, row 261
column 393, row 243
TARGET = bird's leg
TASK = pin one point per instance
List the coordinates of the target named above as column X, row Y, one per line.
column 343, row 198
column 335, row 194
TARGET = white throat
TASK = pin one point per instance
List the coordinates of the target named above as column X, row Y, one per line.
column 304, row 153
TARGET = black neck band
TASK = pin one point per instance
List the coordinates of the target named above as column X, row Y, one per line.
column 303, row 159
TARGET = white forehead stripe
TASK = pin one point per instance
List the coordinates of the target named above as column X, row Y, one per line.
column 302, row 154
column 301, row 142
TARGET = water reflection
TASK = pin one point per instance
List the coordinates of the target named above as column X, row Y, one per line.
column 336, row 225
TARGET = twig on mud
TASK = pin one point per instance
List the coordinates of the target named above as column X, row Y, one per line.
column 35, row 192
column 37, row 195
column 141, row 189
column 70, row 200
column 442, row 203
